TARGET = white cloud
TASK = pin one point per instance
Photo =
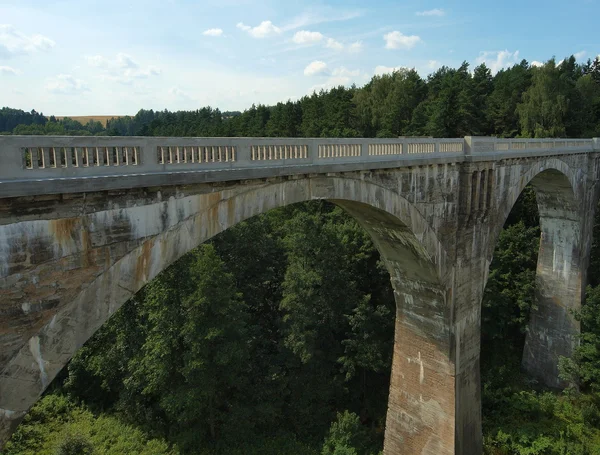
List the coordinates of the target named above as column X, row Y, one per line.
column 497, row 60
column 579, row 55
column 333, row 44
column 380, row 69
column 66, row 84
column 432, row 12
column 342, row 71
column 318, row 15
column 267, row 60
column 355, row 47
column 314, row 68
column 126, row 61
column 329, row 84
column 142, row 73
column 264, row 30
column 13, row 42
column 433, row 64
column 213, row 32
column 306, row 37
column 96, row 61
column 123, row 68
column 176, row 92
column 340, row 76
column 396, row 40
column 122, row 60
column 8, row 70
column 537, row 64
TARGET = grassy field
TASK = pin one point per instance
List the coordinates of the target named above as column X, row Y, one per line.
column 83, row 119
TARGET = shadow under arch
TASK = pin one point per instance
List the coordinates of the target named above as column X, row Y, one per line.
column 422, row 384
column 560, row 274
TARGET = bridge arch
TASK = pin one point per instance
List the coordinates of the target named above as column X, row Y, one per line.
column 421, row 405
column 560, row 274
column 564, row 181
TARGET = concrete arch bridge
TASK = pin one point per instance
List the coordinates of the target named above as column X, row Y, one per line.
column 85, row 222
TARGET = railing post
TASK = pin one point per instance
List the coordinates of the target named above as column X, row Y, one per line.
column 596, row 143
column 313, row 150
column 244, row 152
column 467, row 145
column 13, row 161
column 364, row 149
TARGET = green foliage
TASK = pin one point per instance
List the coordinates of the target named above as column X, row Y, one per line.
column 75, row 444
column 194, row 357
column 583, row 369
column 347, row 437
column 510, row 288
column 540, row 423
column 385, row 106
column 593, row 274
column 451, row 103
column 58, row 426
column 508, row 88
column 558, row 104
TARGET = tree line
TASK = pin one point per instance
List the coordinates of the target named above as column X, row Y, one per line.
column 553, row 100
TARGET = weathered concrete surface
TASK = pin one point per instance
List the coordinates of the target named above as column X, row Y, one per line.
column 566, row 193
column 560, row 278
column 420, row 416
column 68, row 262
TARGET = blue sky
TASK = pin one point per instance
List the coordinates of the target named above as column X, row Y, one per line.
column 115, row 57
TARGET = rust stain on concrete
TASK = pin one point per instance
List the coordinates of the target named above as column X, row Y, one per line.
column 143, row 262
column 63, row 230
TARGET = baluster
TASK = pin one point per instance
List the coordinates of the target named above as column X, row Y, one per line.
column 46, row 155
column 84, row 157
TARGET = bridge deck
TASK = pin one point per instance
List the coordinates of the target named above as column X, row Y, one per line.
column 32, row 165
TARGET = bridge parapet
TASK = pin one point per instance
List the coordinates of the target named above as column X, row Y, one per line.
column 478, row 145
column 61, row 158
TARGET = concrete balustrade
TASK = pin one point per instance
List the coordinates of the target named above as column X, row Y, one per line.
column 36, row 158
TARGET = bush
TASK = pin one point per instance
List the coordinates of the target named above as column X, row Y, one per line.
column 347, row 436
column 75, row 444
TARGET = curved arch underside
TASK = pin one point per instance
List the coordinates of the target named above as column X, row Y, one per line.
column 421, row 405
column 563, row 181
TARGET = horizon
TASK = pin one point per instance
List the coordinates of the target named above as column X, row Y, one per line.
column 71, row 59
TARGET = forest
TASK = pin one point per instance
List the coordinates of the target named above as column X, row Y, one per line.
column 276, row 336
